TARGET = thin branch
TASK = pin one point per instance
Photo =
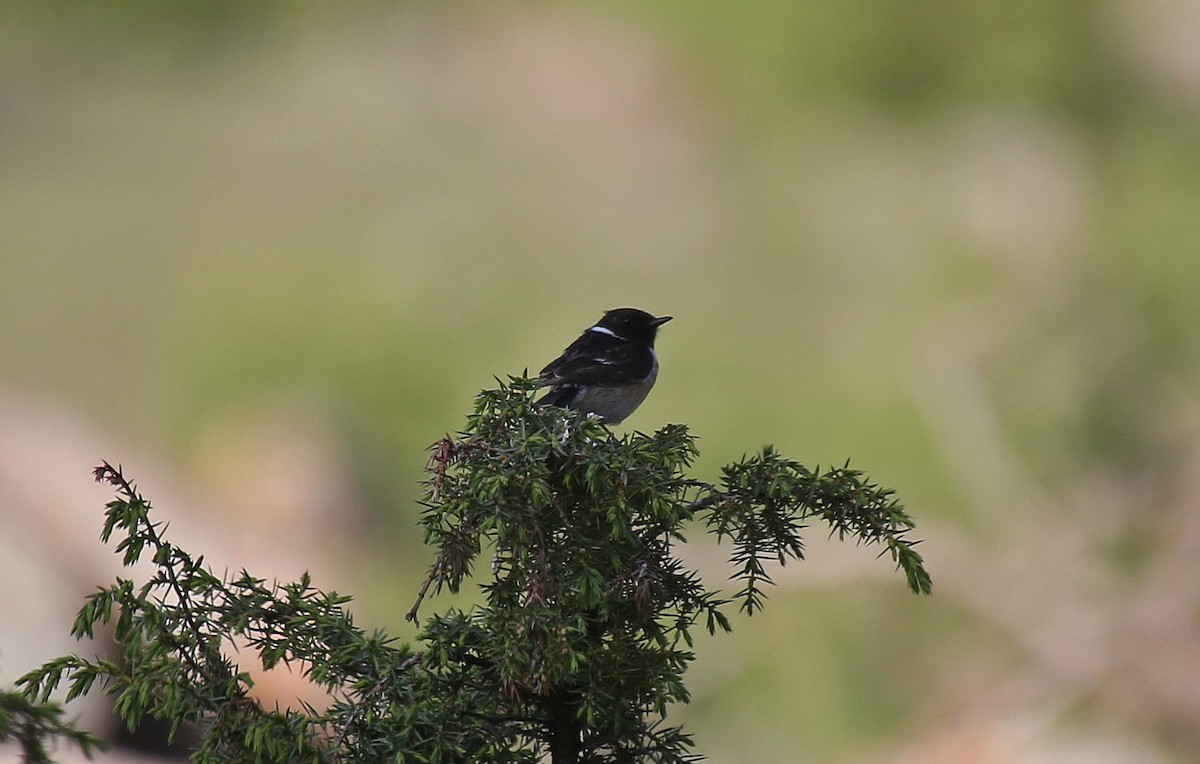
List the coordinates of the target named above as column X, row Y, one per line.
column 113, row 475
column 435, row 572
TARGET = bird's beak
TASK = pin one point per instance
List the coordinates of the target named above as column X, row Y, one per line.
column 660, row 321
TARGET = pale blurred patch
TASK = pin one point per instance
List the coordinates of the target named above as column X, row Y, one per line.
column 1161, row 38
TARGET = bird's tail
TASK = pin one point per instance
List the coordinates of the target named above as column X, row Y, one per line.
column 562, row 396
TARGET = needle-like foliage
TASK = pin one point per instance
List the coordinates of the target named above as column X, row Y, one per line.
column 577, row 652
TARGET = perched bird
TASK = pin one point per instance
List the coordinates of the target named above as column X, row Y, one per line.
column 609, row 370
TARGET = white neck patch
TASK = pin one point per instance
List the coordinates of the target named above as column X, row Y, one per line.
column 605, row 330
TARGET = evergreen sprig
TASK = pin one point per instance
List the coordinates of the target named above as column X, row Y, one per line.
column 577, row 652
column 763, row 504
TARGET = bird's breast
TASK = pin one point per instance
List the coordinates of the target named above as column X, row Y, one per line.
column 614, row 403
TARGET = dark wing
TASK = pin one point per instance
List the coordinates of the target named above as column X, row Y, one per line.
column 593, row 361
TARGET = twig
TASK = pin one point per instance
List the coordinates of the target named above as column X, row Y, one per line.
column 435, row 572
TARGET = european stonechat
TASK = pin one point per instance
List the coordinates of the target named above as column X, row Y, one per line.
column 609, row 370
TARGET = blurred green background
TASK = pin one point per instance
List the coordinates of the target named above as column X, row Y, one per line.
column 267, row 252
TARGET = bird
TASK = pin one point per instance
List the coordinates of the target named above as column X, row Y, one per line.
column 609, row 370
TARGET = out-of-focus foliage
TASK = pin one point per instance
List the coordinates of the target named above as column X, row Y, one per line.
column 33, row 725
